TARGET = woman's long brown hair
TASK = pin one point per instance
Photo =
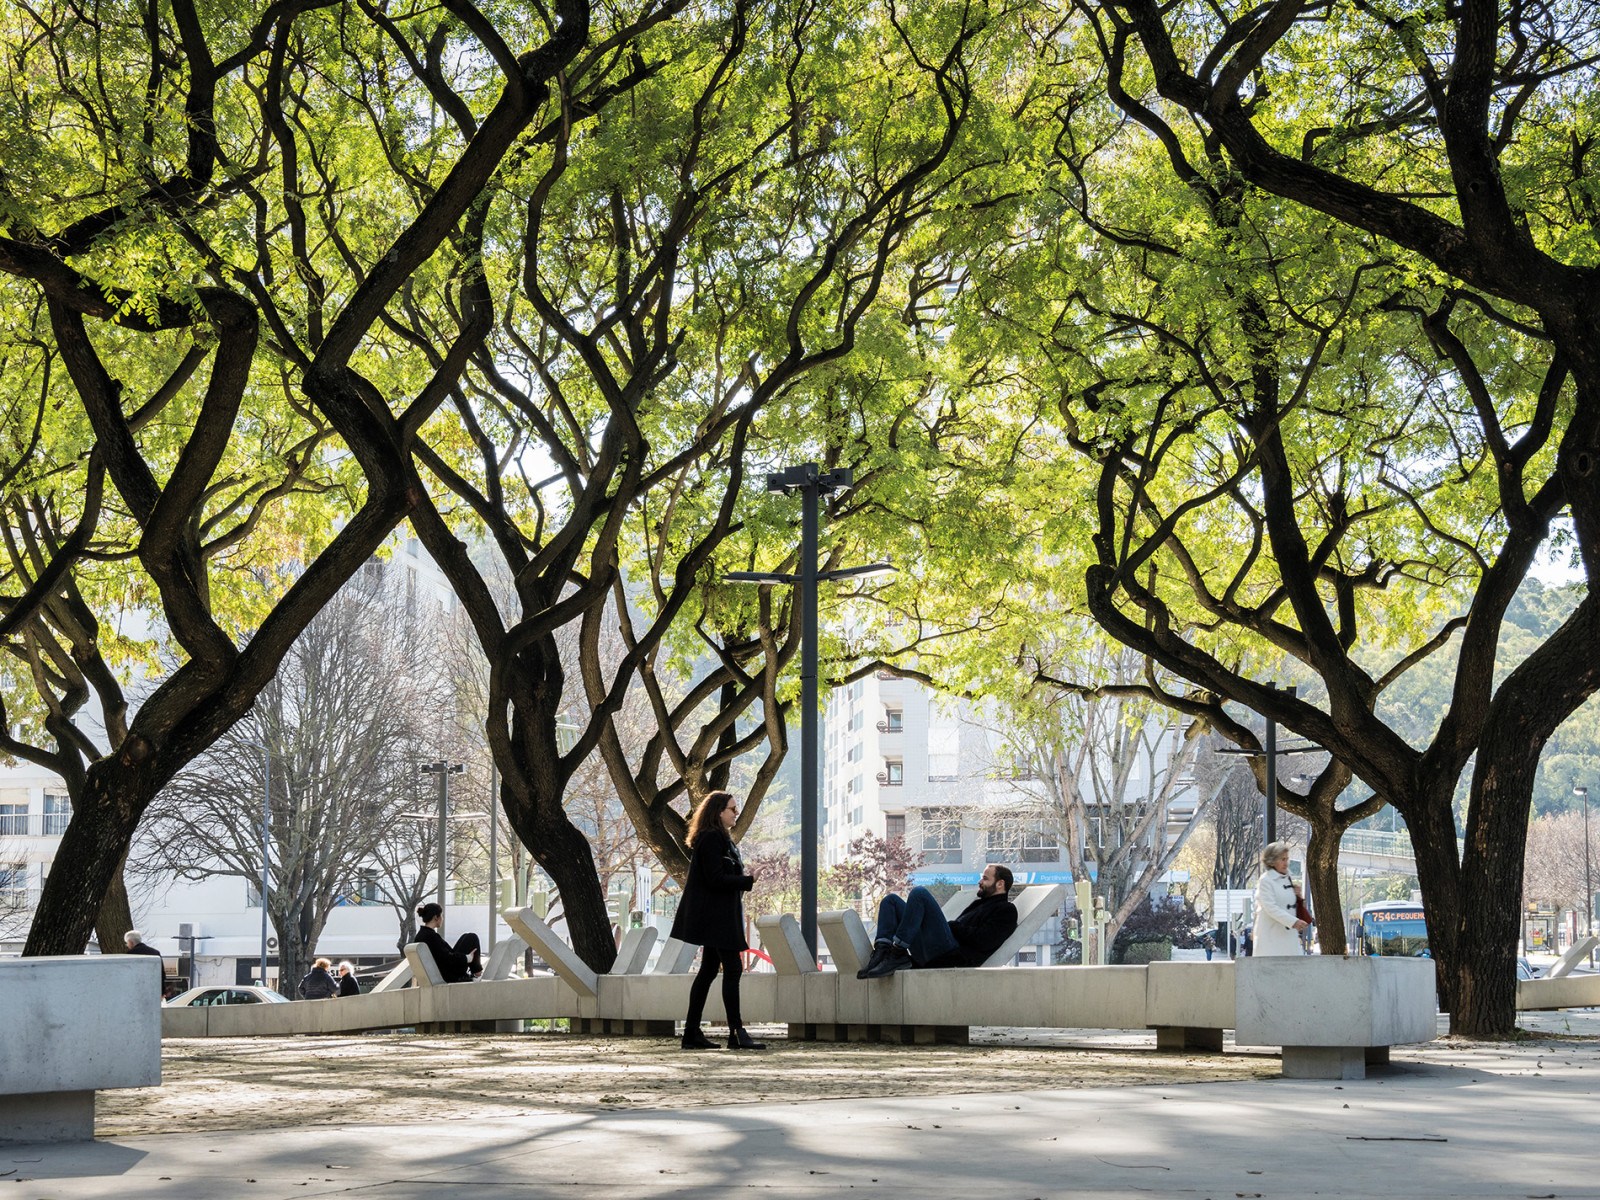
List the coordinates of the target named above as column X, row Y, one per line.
column 706, row 813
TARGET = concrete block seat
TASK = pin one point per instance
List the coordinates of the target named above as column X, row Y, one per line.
column 1333, row 1015
column 75, row 1026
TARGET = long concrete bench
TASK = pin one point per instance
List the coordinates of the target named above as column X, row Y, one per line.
column 74, row 1027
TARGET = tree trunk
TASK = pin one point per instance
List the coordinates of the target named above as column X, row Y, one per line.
column 565, row 855
column 1322, row 885
column 115, row 918
column 87, row 864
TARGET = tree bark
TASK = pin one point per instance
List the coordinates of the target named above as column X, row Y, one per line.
column 115, row 918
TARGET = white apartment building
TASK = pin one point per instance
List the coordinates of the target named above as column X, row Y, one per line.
column 900, row 760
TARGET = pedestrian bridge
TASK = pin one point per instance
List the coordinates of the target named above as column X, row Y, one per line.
column 1376, row 851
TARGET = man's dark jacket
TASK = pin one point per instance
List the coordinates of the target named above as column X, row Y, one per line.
column 980, row 930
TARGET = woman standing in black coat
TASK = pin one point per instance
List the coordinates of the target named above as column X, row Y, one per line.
column 711, row 915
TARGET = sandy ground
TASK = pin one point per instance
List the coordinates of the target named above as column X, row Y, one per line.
column 264, row 1083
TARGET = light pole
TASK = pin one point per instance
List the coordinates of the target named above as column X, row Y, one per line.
column 266, row 845
column 812, row 483
column 1588, row 886
column 1271, row 751
column 443, row 770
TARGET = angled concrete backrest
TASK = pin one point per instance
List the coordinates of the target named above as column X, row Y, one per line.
column 1575, row 954
column 780, row 938
column 1036, row 904
column 957, row 904
column 634, row 952
column 846, row 938
column 503, row 958
column 675, row 958
column 423, row 969
column 395, row 979
column 563, row 960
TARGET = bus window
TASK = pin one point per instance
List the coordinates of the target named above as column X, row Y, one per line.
column 1394, row 932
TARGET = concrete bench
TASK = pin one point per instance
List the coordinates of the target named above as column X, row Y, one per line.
column 584, row 981
column 1334, row 1015
column 75, row 1026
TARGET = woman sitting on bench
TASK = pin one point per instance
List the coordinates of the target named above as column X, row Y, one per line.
column 457, row 964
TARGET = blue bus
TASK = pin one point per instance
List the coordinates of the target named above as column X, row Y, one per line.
column 1396, row 928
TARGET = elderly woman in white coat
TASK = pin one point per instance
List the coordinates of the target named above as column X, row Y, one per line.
column 1277, row 930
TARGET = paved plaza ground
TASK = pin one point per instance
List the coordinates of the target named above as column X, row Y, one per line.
column 1067, row 1114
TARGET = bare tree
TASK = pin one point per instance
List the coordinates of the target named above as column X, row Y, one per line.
column 341, row 726
column 1558, row 871
column 1102, row 767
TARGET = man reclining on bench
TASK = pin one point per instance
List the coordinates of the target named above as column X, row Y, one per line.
column 912, row 932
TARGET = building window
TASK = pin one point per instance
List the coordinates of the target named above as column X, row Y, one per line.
column 941, row 835
column 894, row 721
column 57, row 812
column 14, row 882
column 855, row 816
column 1016, row 841
column 894, row 826
column 894, row 773
column 13, row 820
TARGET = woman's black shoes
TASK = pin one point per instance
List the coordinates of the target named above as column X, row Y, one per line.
column 693, row 1039
column 738, row 1039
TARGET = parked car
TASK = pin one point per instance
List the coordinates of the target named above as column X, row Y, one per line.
column 1526, row 970
column 238, row 994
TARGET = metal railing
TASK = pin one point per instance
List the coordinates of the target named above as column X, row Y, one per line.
column 1377, row 841
column 33, row 824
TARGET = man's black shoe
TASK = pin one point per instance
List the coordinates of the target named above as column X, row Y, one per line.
column 693, row 1039
column 738, row 1039
column 878, row 952
column 898, row 959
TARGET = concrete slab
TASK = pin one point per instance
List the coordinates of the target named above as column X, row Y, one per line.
column 1487, row 1122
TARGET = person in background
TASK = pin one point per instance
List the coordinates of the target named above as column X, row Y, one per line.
column 912, row 932
column 134, row 941
column 1209, row 945
column 349, row 985
column 318, row 984
column 711, row 916
column 1277, row 929
column 460, row 963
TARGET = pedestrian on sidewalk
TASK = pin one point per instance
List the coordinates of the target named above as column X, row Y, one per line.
column 460, row 963
column 711, row 916
column 349, row 985
column 1277, row 928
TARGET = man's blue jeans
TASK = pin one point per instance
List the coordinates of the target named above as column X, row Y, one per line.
column 915, row 923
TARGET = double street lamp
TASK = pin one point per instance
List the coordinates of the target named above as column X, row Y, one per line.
column 812, row 484
column 443, row 770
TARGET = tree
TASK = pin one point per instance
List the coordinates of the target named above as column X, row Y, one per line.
column 666, row 295
column 343, row 725
column 1560, row 870
column 232, row 170
column 1485, row 110
column 872, row 868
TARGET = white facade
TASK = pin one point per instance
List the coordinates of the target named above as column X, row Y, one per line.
column 901, row 760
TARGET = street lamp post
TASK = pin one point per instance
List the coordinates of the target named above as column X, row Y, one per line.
column 812, row 483
column 266, row 839
column 1588, row 886
column 1271, row 751
column 443, row 770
